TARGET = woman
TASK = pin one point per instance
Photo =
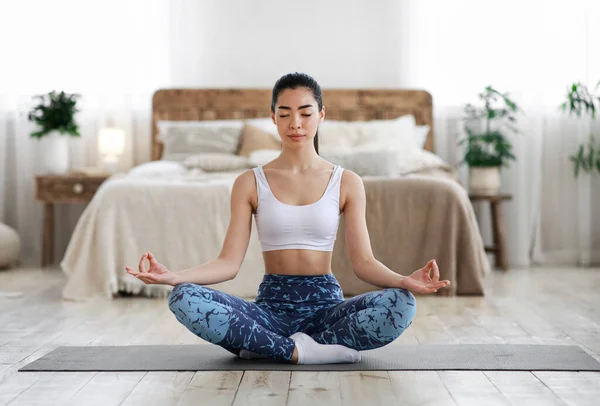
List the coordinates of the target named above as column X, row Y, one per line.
column 300, row 314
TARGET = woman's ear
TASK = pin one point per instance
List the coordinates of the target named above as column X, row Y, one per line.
column 273, row 117
column 322, row 115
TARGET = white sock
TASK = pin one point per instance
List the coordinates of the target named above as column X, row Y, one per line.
column 311, row 352
column 245, row 354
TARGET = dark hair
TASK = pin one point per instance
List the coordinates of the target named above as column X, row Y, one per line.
column 294, row 81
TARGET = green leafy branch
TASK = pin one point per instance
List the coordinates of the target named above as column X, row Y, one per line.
column 581, row 101
column 586, row 160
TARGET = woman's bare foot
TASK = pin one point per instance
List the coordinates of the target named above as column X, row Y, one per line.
column 295, row 356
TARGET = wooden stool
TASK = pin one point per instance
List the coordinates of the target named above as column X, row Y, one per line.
column 499, row 234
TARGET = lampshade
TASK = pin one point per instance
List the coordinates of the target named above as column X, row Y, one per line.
column 111, row 141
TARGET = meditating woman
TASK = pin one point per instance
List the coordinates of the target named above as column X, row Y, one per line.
column 299, row 314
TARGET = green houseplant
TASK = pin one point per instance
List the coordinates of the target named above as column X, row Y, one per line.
column 54, row 119
column 55, row 112
column 579, row 100
column 486, row 145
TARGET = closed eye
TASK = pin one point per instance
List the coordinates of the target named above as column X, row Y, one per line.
column 305, row 115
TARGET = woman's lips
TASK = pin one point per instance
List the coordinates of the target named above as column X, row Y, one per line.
column 296, row 136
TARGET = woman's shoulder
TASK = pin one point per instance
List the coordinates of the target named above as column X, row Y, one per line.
column 351, row 188
column 350, row 178
column 245, row 180
column 244, row 188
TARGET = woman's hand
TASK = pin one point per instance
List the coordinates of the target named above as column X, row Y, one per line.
column 157, row 274
column 421, row 281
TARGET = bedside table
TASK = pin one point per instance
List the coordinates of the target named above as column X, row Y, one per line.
column 499, row 235
column 68, row 188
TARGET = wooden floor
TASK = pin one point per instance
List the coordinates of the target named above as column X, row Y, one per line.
column 533, row 306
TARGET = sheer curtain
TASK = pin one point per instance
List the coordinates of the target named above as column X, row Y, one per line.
column 533, row 50
column 114, row 53
column 117, row 52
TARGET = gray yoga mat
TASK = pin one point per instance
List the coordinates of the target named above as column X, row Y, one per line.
column 208, row 357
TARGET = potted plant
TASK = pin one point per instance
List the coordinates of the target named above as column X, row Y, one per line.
column 54, row 115
column 580, row 100
column 487, row 147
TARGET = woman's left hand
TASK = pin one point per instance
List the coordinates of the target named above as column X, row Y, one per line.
column 421, row 281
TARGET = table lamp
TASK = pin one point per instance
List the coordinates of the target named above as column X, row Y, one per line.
column 111, row 144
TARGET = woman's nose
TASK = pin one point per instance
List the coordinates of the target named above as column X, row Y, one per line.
column 295, row 123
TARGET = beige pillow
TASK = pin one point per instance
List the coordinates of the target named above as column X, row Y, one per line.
column 254, row 139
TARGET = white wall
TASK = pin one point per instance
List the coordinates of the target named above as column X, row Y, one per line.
column 241, row 43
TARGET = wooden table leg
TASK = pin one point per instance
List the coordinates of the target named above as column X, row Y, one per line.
column 499, row 234
column 48, row 235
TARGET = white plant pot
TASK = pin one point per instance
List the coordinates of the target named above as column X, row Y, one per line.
column 485, row 180
column 54, row 153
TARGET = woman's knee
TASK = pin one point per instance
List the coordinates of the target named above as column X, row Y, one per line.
column 183, row 292
column 192, row 306
column 399, row 302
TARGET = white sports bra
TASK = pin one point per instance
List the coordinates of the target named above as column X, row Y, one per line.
column 284, row 226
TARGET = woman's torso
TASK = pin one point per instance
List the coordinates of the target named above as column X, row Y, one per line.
column 298, row 189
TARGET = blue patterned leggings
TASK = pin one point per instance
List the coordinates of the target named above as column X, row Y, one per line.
column 285, row 305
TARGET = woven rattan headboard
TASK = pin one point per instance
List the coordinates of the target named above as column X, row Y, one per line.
column 340, row 104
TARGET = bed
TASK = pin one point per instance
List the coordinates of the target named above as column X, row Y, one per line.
column 182, row 218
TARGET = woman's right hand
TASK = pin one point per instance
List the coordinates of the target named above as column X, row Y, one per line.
column 157, row 273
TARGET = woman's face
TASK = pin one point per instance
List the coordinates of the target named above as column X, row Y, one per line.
column 297, row 117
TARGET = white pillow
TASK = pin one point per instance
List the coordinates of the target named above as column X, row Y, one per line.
column 339, row 134
column 157, row 168
column 366, row 160
column 216, row 162
column 263, row 156
column 374, row 160
column 420, row 134
column 184, row 138
column 398, row 133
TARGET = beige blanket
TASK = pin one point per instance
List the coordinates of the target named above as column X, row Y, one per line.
column 183, row 221
column 412, row 220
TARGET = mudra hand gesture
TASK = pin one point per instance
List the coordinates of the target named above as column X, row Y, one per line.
column 156, row 274
column 421, row 281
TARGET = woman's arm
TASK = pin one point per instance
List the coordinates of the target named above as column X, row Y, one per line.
column 366, row 267
column 227, row 265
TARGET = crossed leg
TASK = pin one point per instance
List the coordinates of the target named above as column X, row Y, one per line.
column 365, row 322
column 230, row 322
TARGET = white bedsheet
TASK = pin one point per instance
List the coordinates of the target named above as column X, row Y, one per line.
column 182, row 220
